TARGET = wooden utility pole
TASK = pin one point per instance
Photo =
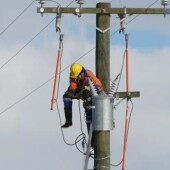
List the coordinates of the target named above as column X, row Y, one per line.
column 103, row 12
column 102, row 138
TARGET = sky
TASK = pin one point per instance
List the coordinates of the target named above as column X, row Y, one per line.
column 30, row 133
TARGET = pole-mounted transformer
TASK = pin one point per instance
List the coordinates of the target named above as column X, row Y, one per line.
column 102, row 117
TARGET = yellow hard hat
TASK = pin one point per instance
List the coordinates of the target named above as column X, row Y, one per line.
column 75, row 70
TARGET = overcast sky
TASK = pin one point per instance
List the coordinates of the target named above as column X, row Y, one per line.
column 30, row 134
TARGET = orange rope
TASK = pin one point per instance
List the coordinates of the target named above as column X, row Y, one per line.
column 127, row 65
column 127, row 108
column 55, row 78
column 125, row 136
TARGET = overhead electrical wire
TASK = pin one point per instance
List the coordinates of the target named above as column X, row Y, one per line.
column 30, row 93
column 47, row 81
column 26, row 44
column 43, row 84
column 52, row 1
column 77, row 139
column 146, row 10
column 50, row 23
column 30, row 40
column 83, row 138
column 10, row 24
column 103, row 31
column 70, row 3
column 24, row 10
column 26, row 96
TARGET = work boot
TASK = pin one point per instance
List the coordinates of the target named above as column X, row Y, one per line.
column 68, row 116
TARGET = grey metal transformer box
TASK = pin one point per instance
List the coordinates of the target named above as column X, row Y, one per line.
column 102, row 114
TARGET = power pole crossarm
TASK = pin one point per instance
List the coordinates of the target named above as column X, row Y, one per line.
column 133, row 94
column 129, row 11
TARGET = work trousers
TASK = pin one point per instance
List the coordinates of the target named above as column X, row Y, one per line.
column 69, row 96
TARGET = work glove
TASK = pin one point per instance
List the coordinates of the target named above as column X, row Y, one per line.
column 71, row 94
column 82, row 92
column 86, row 94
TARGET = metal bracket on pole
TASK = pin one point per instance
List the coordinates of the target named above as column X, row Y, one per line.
column 133, row 94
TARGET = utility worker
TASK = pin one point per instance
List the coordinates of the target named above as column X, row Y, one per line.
column 79, row 89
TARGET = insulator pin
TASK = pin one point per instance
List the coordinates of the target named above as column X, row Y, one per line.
column 164, row 2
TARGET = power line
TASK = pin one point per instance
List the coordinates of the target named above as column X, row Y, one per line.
column 70, row 3
column 31, row 39
column 15, row 103
column 26, row 44
column 10, row 24
column 47, row 81
column 27, row 95
column 47, row 26
column 146, row 10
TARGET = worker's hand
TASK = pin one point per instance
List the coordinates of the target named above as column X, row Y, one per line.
column 77, row 93
column 78, row 90
column 71, row 94
column 82, row 93
column 86, row 93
